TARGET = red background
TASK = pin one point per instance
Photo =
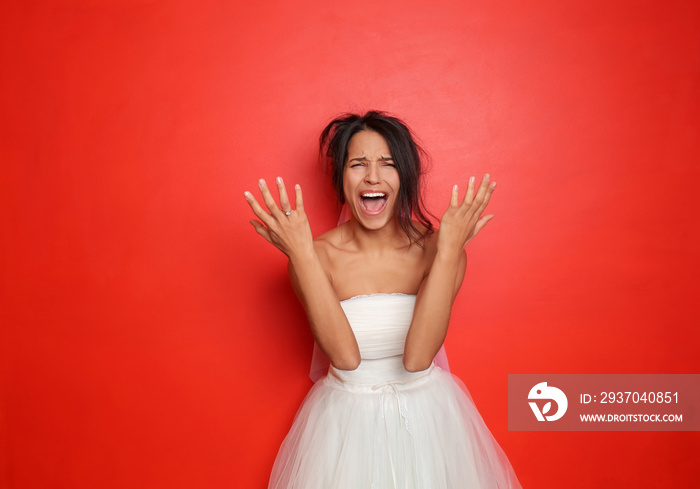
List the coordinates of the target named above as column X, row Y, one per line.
column 150, row 337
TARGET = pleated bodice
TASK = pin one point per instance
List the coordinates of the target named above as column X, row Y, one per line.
column 380, row 323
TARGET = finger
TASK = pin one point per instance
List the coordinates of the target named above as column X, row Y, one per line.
column 483, row 222
column 284, row 198
column 469, row 196
column 299, row 198
column 261, row 230
column 454, row 198
column 258, row 210
column 269, row 200
column 487, row 196
column 481, row 192
column 480, row 224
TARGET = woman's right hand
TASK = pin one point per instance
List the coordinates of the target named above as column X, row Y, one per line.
column 286, row 228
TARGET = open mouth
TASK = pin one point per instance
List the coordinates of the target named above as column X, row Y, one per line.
column 373, row 202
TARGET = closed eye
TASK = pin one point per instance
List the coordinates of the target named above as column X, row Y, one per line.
column 362, row 161
column 359, row 161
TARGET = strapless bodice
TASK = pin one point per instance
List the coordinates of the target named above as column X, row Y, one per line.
column 380, row 323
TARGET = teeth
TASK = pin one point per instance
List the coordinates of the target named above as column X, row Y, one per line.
column 374, row 194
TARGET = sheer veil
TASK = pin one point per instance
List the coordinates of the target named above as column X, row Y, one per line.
column 319, row 360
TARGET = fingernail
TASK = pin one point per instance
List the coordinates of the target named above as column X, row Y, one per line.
column 471, row 179
column 493, row 185
column 247, row 195
column 487, row 177
column 297, row 186
column 455, row 188
column 261, row 182
column 279, row 180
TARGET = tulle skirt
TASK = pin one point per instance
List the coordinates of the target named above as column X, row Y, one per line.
column 418, row 431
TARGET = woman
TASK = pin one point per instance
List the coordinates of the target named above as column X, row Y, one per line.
column 378, row 291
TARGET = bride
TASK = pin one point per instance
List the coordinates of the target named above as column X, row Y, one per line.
column 378, row 291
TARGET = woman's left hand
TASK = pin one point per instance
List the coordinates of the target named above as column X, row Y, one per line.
column 462, row 222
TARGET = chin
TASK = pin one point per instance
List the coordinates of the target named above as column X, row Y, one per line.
column 374, row 222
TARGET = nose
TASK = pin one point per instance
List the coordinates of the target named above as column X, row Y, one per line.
column 372, row 175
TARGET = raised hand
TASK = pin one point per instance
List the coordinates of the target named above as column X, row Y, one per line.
column 286, row 228
column 462, row 222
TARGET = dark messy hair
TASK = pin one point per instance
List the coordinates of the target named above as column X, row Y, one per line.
column 406, row 153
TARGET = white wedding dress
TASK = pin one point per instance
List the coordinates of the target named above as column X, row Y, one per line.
column 381, row 427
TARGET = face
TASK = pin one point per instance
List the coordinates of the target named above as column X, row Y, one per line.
column 370, row 180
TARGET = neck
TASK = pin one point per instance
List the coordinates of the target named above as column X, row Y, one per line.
column 388, row 237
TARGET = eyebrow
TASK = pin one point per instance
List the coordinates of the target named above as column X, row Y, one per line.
column 363, row 158
column 359, row 158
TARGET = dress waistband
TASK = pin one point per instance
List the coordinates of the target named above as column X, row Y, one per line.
column 369, row 383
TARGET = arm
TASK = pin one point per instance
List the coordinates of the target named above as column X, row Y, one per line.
column 291, row 234
column 431, row 315
column 327, row 319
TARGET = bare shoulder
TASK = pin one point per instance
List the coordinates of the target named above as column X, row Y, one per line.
column 328, row 242
column 327, row 248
